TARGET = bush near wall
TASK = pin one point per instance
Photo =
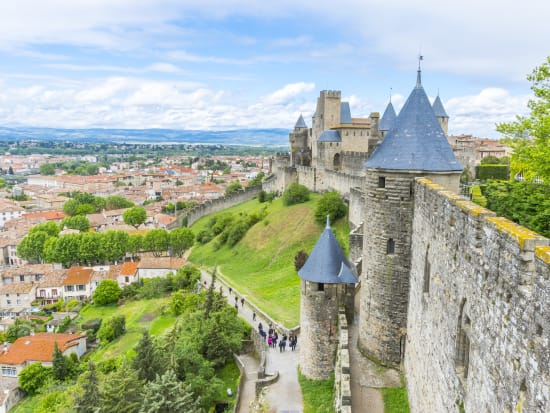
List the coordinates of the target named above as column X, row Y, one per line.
column 478, row 197
column 484, row 172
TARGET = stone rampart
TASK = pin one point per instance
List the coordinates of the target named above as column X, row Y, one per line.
column 342, row 371
column 219, row 204
column 478, row 332
column 356, row 207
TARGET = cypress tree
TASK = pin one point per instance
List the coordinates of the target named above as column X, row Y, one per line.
column 121, row 391
column 89, row 400
column 166, row 395
column 60, row 367
column 146, row 362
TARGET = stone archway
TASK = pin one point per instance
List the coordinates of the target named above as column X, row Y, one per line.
column 337, row 162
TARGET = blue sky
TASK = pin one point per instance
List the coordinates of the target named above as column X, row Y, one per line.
column 224, row 64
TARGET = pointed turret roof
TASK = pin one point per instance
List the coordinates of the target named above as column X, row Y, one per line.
column 345, row 113
column 438, row 108
column 416, row 142
column 388, row 118
column 301, row 123
column 330, row 135
column 327, row 263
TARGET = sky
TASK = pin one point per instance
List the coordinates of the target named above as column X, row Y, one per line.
column 231, row 64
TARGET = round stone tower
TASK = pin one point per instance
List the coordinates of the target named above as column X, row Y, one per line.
column 327, row 283
column 414, row 146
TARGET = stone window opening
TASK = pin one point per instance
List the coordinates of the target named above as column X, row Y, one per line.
column 320, row 287
column 381, row 182
column 390, row 248
column 411, row 189
column 427, row 270
column 462, row 354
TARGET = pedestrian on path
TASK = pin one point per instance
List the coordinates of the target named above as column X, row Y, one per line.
column 242, row 302
column 253, row 316
column 230, row 290
column 236, row 300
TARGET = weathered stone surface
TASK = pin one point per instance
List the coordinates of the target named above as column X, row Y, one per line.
column 483, row 281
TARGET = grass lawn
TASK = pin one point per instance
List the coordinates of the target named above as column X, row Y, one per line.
column 261, row 265
column 141, row 314
column 317, row 395
column 229, row 374
column 395, row 399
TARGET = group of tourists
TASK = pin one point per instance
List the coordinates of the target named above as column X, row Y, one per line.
column 272, row 338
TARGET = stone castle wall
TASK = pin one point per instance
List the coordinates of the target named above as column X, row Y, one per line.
column 342, row 371
column 222, row 203
column 356, row 207
column 478, row 329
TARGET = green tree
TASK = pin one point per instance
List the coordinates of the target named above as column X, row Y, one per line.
column 166, row 395
column 112, row 329
column 78, row 222
column 300, row 259
column 157, row 241
column 121, row 391
column 31, row 247
column 146, row 363
column 107, row 292
column 135, row 244
column 114, row 245
column 181, row 239
column 33, row 377
column 489, row 160
column 529, row 136
column 257, row 180
column 117, row 202
column 89, row 246
column 47, row 169
column 134, row 216
column 88, row 398
column 233, row 187
column 20, row 328
column 295, row 194
column 330, row 204
column 50, row 228
column 61, row 368
column 177, row 303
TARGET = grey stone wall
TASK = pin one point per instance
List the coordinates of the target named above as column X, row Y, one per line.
column 222, row 203
column 478, row 331
column 356, row 207
column 342, row 371
column 318, row 333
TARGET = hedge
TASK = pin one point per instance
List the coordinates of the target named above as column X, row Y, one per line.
column 501, row 172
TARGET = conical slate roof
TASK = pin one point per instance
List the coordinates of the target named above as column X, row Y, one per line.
column 301, row 123
column 438, row 108
column 327, row 263
column 330, row 136
column 416, row 142
column 345, row 113
column 388, row 118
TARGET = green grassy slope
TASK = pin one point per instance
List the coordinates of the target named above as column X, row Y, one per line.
column 261, row 266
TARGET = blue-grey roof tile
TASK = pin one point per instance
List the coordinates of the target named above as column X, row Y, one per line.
column 438, row 108
column 345, row 114
column 417, row 142
column 301, row 123
column 330, row 136
column 327, row 263
column 388, row 118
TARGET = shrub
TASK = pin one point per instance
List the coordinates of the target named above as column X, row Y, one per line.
column 33, row 377
column 330, row 204
column 487, row 171
column 94, row 324
column 295, row 194
column 112, row 329
column 107, row 292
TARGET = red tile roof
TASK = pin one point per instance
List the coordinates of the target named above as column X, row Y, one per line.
column 78, row 275
column 38, row 347
column 129, row 268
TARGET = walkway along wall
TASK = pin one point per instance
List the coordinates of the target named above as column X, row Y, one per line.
column 478, row 328
column 342, row 371
column 219, row 204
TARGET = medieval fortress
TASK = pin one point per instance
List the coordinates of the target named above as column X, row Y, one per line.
column 452, row 295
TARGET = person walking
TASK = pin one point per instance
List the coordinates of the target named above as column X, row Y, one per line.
column 230, row 290
column 281, row 346
column 242, row 302
column 253, row 316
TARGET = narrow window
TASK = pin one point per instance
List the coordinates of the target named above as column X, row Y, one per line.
column 427, row 268
column 462, row 354
column 390, row 249
column 320, row 287
column 381, row 182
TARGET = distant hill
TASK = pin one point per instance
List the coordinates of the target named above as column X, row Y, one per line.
column 248, row 137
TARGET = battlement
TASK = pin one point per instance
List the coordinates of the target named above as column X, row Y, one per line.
column 331, row 93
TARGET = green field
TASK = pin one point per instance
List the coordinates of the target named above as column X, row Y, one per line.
column 261, row 266
column 140, row 315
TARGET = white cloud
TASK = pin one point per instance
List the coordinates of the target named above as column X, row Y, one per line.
column 287, row 93
column 163, row 67
column 478, row 114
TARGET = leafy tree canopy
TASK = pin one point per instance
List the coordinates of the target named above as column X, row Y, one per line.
column 233, row 187
column 529, row 136
column 78, row 222
column 107, row 292
column 33, row 377
column 295, row 194
column 47, row 169
column 134, row 216
column 331, row 204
